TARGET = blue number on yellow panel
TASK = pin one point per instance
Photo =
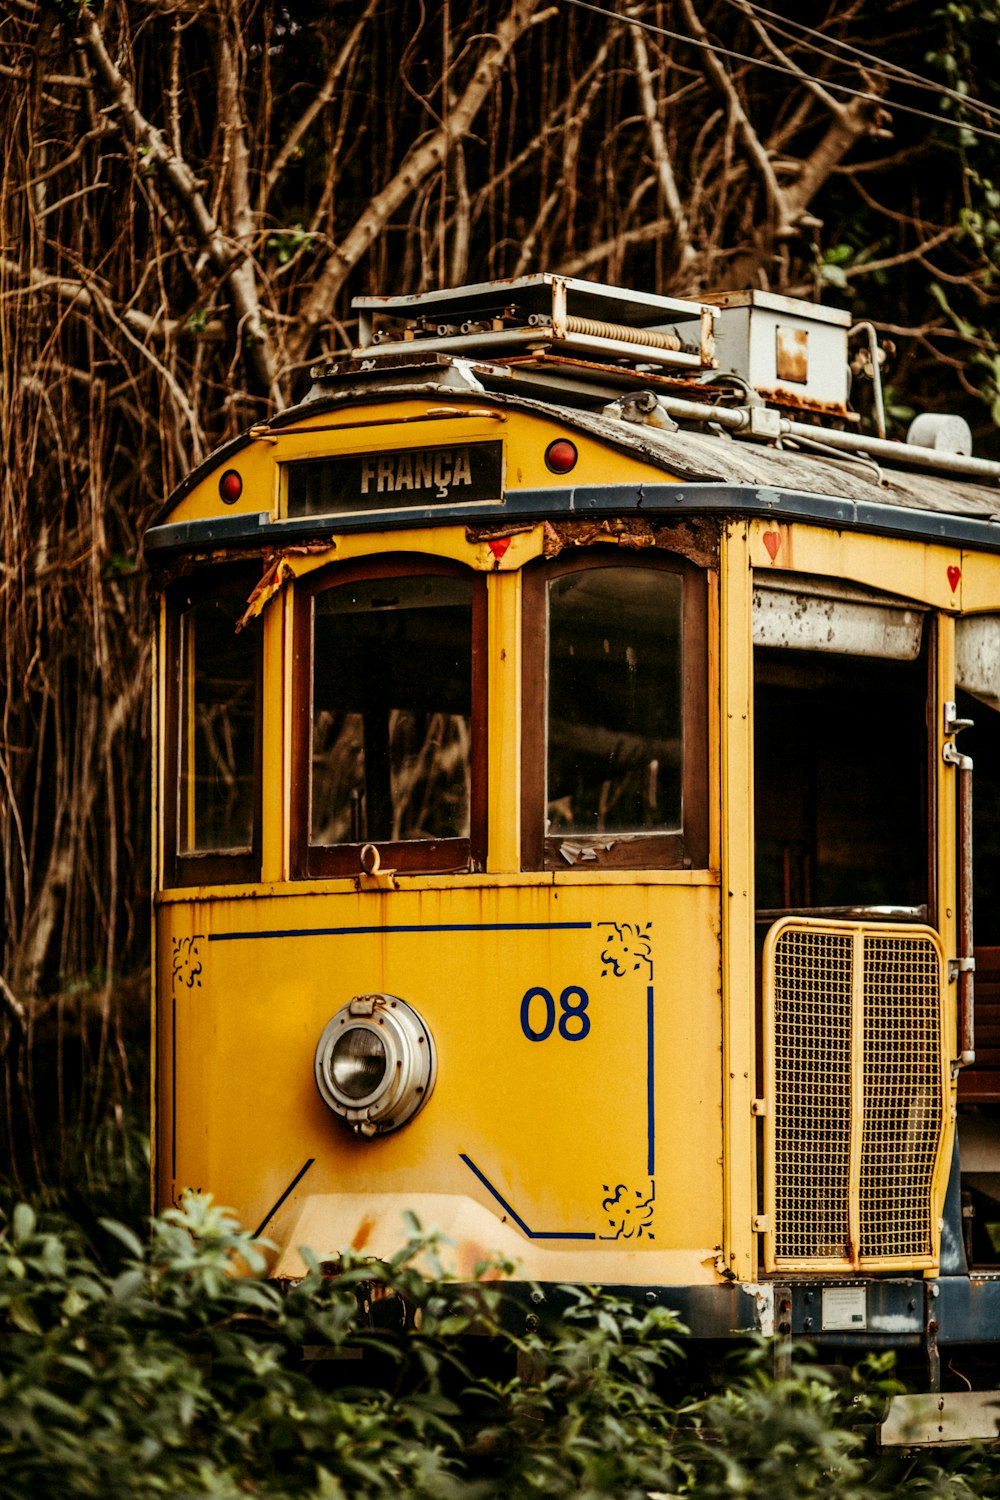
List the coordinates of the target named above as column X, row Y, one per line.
column 574, row 1012
column 574, row 1022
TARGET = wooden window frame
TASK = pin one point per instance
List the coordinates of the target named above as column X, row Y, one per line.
column 213, row 866
column 686, row 849
column 406, row 856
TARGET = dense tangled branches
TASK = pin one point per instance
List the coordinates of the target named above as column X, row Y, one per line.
column 192, row 190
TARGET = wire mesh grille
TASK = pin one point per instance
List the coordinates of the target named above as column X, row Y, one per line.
column 858, row 1097
column 812, row 1106
column 902, row 1096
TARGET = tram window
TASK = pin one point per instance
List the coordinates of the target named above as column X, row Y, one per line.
column 615, row 681
column 390, row 727
column 840, row 775
column 213, row 745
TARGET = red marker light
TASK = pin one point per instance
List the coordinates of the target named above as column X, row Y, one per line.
column 230, row 487
column 560, row 456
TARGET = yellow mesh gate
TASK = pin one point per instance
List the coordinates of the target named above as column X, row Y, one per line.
column 856, row 1078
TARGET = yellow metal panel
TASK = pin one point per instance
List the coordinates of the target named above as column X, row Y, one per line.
column 274, row 828
column 736, row 754
column 410, row 424
column 980, row 584
column 558, row 1118
column 288, row 643
column 946, row 819
column 504, row 680
column 945, row 796
column 912, row 569
column 638, row 877
column 255, row 465
column 598, row 463
column 439, row 541
column 291, row 890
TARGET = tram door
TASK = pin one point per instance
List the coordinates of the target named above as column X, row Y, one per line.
column 853, row 1060
column 978, row 699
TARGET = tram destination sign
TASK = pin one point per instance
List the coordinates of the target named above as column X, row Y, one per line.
column 396, row 479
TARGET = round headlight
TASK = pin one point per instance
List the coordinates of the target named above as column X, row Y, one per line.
column 358, row 1062
column 375, row 1063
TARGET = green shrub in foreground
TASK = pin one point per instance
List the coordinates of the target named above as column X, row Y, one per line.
column 155, row 1371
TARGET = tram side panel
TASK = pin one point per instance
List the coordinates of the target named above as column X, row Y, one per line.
column 575, row 1120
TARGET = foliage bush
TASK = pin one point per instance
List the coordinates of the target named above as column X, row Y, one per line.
column 133, row 1367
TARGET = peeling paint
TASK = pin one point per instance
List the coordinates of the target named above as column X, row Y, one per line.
column 762, row 1293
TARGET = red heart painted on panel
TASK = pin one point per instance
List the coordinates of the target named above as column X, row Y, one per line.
column 954, row 574
column 498, row 548
column 772, row 541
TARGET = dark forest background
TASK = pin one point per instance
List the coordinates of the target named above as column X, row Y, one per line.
column 193, row 190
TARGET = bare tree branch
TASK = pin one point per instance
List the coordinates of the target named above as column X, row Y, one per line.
column 418, row 163
column 661, row 154
column 850, row 122
column 225, row 258
column 319, row 102
column 751, row 142
column 81, row 298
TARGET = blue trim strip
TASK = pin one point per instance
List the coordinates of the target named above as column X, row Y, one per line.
column 299, row 932
column 289, row 1189
column 650, row 1090
column 533, row 1234
column 688, row 497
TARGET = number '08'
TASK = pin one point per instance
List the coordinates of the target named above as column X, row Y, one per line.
column 569, row 1012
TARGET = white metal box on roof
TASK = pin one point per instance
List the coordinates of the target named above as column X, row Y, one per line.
column 792, row 352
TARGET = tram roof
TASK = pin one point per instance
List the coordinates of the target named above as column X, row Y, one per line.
column 710, row 472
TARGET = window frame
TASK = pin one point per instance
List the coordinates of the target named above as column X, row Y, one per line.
column 926, row 763
column 641, row 850
column 404, row 856
column 211, row 866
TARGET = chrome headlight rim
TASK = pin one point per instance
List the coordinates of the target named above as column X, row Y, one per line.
column 409, row 1072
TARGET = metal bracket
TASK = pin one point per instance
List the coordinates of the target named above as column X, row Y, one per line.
column 761, row 422
column 954, row 757
column 952, row 723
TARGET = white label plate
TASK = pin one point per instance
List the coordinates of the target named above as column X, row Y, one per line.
column 844, row 1307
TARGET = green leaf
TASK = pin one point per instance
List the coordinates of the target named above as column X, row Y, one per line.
column 73, row 1304
column 20, row 1314
column 127, row 1286
column 22, row 1223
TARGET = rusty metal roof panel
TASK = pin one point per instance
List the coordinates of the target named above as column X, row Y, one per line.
column 736, row 461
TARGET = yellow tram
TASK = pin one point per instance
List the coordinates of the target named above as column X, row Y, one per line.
column 563, row 827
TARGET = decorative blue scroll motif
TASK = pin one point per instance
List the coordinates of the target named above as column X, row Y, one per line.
column 627, row 950
column 629, row 1211
column 186, row 965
